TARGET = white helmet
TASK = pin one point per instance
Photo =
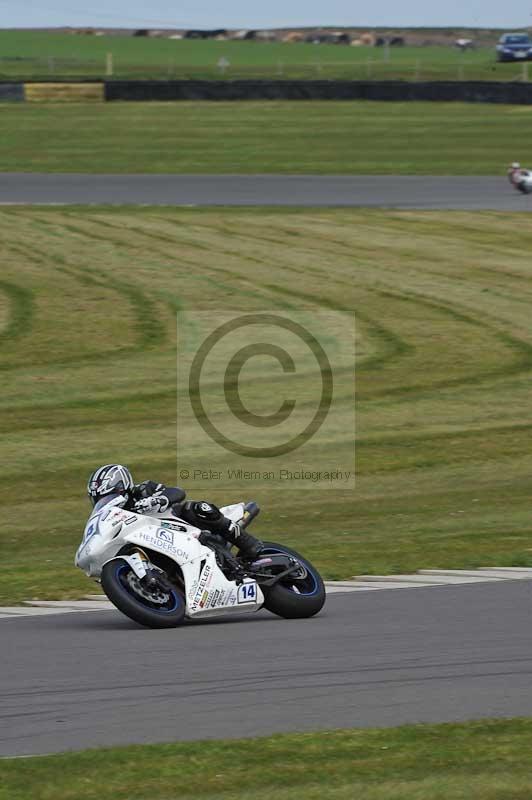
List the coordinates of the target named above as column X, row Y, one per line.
column 109, row 479
column 516, row 165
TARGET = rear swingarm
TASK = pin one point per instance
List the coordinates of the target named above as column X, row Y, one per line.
column 266, row 579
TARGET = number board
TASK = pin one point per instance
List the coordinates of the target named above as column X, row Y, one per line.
column 247, row 593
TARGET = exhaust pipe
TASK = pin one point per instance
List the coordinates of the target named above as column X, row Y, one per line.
column 251, row 510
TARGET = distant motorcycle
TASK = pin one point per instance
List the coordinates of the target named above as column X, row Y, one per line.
column 521, row 179
column 160, row 570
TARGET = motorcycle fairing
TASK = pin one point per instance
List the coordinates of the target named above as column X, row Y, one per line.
column 208, row 592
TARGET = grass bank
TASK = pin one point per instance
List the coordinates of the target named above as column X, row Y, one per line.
column 444, row 372
column 39, row 54
column 321, row 137
column 476, row 760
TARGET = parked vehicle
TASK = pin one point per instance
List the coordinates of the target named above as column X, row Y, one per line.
column 514, row 47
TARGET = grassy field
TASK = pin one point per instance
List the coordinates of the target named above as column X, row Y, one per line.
column 87, row 314
column 254, row 137
column 473, row 761
column 31, row 54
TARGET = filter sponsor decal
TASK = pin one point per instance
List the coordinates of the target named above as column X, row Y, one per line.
column 205, row 578
column 203, row 599
column 217, row 599
column 214, row 599
column 173, row 526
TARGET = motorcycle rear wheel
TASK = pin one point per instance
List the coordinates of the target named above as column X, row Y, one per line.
column 294, row 598
column 122, row 587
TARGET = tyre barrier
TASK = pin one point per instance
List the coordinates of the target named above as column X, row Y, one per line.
column 463, row 91
column 164, row 91
column 64, row 92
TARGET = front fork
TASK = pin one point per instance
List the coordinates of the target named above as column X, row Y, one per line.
column 137, row 560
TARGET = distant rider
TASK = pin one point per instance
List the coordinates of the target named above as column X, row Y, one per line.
column 516, row 174
column 154, row 499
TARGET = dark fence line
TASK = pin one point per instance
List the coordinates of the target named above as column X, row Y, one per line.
column 11, row 92
column 466, row 91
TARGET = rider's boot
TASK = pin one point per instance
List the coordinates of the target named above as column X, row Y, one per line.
column 248, row 545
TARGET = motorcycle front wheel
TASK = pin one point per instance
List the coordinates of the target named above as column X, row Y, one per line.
column 297, row 596
column 153, row 607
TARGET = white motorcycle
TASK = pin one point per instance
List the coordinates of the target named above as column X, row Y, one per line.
column 160, row 571
column 521, row 180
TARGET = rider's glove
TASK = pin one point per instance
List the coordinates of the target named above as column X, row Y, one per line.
column 235, row 531
column 157, row 502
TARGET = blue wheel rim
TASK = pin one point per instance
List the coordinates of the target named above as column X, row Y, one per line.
column 119, row 573
column 315, row 584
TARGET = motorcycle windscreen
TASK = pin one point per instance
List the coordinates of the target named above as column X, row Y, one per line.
column 109, row 498
column 100, row 512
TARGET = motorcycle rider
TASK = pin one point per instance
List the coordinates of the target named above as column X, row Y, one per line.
column 154, row 498
column 516, row 173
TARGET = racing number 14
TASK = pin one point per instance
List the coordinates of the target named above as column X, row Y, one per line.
column 247, row 593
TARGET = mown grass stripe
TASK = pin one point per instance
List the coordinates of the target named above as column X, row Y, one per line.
column 20, row 312
column 443, row 459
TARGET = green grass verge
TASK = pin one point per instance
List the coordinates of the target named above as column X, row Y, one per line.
column 444, row 336
column 487, row 760
column 34, row 54
column 319, row 137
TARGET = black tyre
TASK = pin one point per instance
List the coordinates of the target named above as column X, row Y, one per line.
column 298, row 596
column 155, row 608
column 523, row 188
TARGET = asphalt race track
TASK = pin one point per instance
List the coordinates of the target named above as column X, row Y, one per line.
column 419, row 192
column 369, row 659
